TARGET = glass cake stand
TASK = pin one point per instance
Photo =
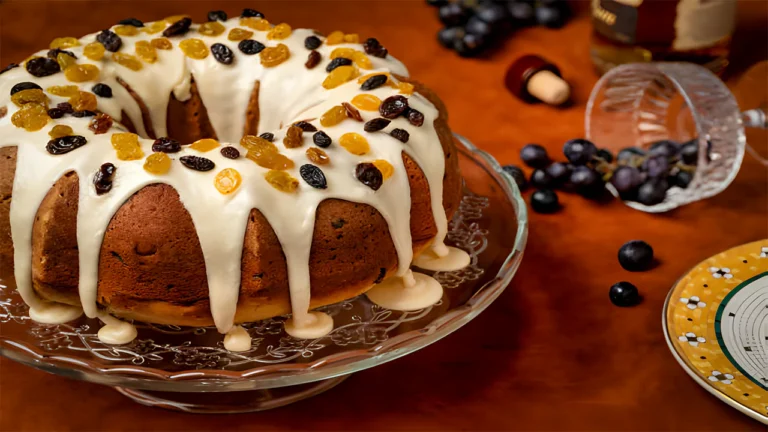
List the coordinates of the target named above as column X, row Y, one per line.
column 188, row 369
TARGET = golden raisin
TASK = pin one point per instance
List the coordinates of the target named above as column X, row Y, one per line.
column 65, row 60
column 352, row 38
column 385, row 167
column 293, row 137
column 389, row 82
column 204, row 145
column 339, row 76
column 94, row 51
column 282, row 181
column 155, row 27
column 405, row 88
column 100, row 124
column 354, row 143
column 273, row 56
column 126, row 30
column 227, row 181
column 317, row 156
column 146, row 51
column 127, row 60
column 83, row 101
column 358, row 57
column 280, row 31
column 257, row 144
column 211, row 28
column 30, row 96
column 156, row 163
column 366, row 102
column 127, row 146
column 161, row 43
column 82, row 72
column 194, row 48
column 64, row 42
column 335, row 38
column 333, row 116
column 59, row 131
column 255, row 23
column 275, row 161
column 238, row 34
column 64, row 91
column 31, row 117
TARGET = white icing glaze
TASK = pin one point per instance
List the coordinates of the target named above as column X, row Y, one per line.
column 407, row 293
column 288, row 93
column 455, row 259
column 115, row 331
column 54, row 313
column 237, row 339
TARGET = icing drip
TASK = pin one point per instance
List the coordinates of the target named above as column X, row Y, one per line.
column 454, row 259
column 237, row 339
column 413, row 292
column 287, row 93
column 54, row 313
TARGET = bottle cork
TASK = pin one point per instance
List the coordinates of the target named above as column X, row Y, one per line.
column 534, row 79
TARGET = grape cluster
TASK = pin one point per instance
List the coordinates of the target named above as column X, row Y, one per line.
column 473, row 26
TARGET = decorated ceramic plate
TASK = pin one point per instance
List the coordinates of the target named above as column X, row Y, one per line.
column 716, row 324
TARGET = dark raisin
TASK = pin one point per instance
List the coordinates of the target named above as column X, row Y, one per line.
column 26, row 85
column 338, row 61
column 55, row 113
column 217, row 15
column 43, row 66
column 321, row 139
column 100, row 124
column 250, row 46
column 222, row 53
column 178, row 28
column 374, row 48
column 380, row 278
column 313, row 59
column 376, row 124
column 197, row 163
column 312, row 42
column 269, row 136
column 393, row 107
column 3, row 111
column 352, row 112
column 53, row 53
column 306, row 126
column 66, row 144
column 102, row 180
column 131, row 22
column 248, row 13
column 9, row 67
column 400, row 134
column 166, row 145
column 415, row 117
column 338, row 223
column 374, row 82
column 66, row 107
column 313, row 176
column 230, row 152
column 369, row 175
column 102, row 90
column 110, row 40
column 83, row 113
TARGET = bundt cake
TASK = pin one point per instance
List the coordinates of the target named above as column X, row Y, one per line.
column 219, row 173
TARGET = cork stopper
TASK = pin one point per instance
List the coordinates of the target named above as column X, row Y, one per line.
column 534, row 79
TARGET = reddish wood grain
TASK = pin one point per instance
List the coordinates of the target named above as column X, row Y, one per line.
column 551, row 353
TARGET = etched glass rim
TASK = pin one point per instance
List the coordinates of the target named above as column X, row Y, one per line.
column 280, row 375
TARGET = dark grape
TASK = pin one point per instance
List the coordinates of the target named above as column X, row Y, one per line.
column 479, row 27
column 656, row 166
column 541, row 179
column 517, row 174
column 453, row 14
column 534, row 155
column 560, row 172
column 470, row 45
column 605, row 155
column 624, row 294
column 522, row 12
column 666, row 148
column 626, row 179
column 636, row 255
column 627, row 154
column 449, row 36
column 550, row 16
column 545, row 201
column 579, row 151
column 682, row 179
column 689, row 152
column 652, row 192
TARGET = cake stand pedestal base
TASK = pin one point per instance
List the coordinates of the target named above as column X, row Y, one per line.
column 230, row 402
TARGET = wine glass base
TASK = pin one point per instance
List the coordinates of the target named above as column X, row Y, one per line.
column 230, row 402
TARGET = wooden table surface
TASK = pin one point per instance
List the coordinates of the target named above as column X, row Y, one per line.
column 552, row 353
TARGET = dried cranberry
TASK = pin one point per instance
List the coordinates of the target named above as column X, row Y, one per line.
column 374, row 82
column 100, row 124
column 26, row 85
column 43, row 66
column 222, row 53
column 415, row 117
column 352, row 112
column 65, row 144
column 321, row 139
column 83, row 113
column 312, row 42
column 3, row 111
column 401, row 134
column 110, row 40
column 269, row 136
column 9, row 67
column 55, row 113
column 248, row 13
column 313, row 176
column 306, row 126
column 166, row 145
column 54, row 53
column 250, row 46
column 369, row 175
column 313, row 59
column 197, row 163
column 230, row 152
column 338, row 61
column 102, row 90
column 131, row 22
column 66, row 107
column 217, row 15
column 374, row 48
column 376, row 124
column 393, row 106
column 178, row 28
column 102, row 180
